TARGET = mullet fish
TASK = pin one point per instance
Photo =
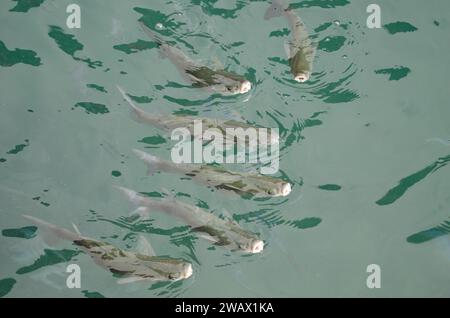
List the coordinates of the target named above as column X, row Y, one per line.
column 222, row 232
column 244, row 184
column 220, row 81
column 299, row 49
column 168, row 123
column 129, row 266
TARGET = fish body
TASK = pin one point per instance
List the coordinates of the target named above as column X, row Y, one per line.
column 222, row 232
column 168, row 123
column 129, row 266
column 244, row 184
column 220, row 81
column 300, row 50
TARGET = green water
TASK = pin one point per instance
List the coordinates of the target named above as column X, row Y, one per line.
column 365, row 143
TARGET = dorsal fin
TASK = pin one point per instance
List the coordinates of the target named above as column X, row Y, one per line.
column 76, row 229
column 144, row 247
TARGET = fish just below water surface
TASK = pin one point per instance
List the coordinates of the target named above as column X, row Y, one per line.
column 219, row 81
column 229, row 128
column 221, row 232
column 129, row 266
column 299, row 49
column 244, row 184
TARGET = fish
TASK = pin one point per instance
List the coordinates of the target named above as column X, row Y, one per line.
column 128, row 266
column 168, row 123
column 221, row 232
column 300, row 50
column 250, row 185
column 200, row 76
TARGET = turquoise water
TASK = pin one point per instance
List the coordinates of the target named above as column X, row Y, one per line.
column 365, row 144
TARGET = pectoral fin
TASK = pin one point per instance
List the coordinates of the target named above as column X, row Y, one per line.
column 207, row 237
column 142, row 211
column 132, row 279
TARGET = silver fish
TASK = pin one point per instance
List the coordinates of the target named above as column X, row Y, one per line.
column 129, row 266
column 168, row 123
column 221, row 232
column 300, row 50
column 244, row 184
column 220, row 81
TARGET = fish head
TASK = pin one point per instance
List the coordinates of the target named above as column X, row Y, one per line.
column 268, row 186
column 243, row 240
column 302, row 77
column 166, row 268
column 254, row 246
column 185, row 271
column 229, row 83
column 280, row 189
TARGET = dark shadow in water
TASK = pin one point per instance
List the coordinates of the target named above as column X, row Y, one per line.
column 208, row 8
column 319, row 3
column 151, row 18
column 330, row 187
column 70, row 45
column 18, row 148
column 399, row 27
column 134, row 47
column 334, row 92
column 398, row 191
column 50, row 257
column 97, row 87
column 6, row 285
column 430, row 234
column 153, row 141
column 93, row 108
column 141, row 99
column 289, row 136
column 332, row 43
column 89, row 294
column 395, row 73
column 10, row 58
column 26, row 232
column 272, row 218
column 305, row 223
column 26, row 5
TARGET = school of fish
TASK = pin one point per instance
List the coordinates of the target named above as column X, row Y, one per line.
column 223, row 231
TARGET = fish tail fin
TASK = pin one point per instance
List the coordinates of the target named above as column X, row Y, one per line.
column 55, row 231
column 142, row 212
column 276, row 9
column 138, row 114
column 151, row 161
column 134, row 197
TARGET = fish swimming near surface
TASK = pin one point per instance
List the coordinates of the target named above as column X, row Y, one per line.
column 300, row 50
column 128, row 266
column 222, row 232
column 244, row 184
column 219, row 81
column 168, row 123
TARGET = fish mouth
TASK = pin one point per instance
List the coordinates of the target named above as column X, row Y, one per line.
column 188, row 271
column 301, row 77
column 286, row 189
column 246, row 86
column 257, row 246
